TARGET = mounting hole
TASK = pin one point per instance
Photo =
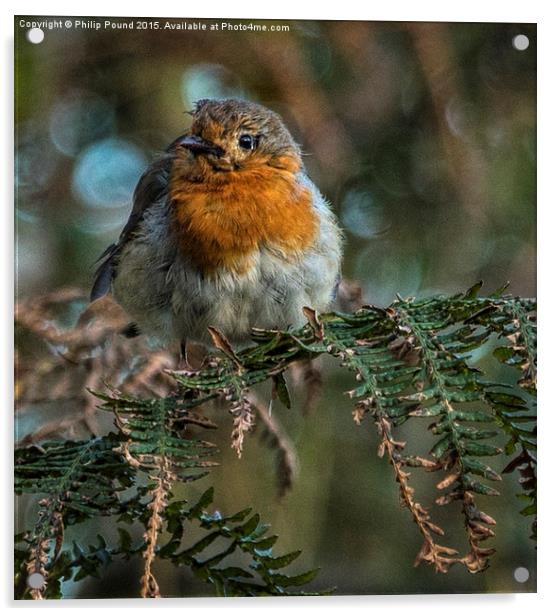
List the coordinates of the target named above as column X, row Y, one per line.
column 35, row 35
column 36, row 581
column 521, row 575
column 521, row 42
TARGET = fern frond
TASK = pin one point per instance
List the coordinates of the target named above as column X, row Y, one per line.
column 443, row 383
column 517, row 418
column 155, row 443
column 412, row 360
column 79, row 480
column 514, row 321
column 244, row 533
column 440, row 556
column 383, row 382
column 153, row 431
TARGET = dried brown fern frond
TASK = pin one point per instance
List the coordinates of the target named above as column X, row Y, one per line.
column 61, row 359
column 440, row 556
column 163, row 479
column 243, row 422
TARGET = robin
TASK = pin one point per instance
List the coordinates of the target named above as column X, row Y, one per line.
column 226, row 230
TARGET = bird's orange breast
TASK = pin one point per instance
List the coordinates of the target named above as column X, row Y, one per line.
column 221, row 224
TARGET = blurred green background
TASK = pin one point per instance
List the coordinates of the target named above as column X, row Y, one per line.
column 423, row 137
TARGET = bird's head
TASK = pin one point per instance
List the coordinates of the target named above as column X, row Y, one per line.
column 236, row 135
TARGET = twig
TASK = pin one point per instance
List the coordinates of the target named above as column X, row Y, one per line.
column 273, row 434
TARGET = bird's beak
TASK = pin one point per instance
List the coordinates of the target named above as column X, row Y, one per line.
column 197, row 145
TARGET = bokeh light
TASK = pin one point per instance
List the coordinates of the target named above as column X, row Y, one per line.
column 35, row 161
column 107, row 172
column 209, row 81
column 387, row 272
column 362, row 215
column 36, row 259
column 78, row 119
column 461, row 118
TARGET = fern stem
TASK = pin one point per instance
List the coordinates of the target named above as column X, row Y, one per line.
column 477, row 558
column 164, row 479
column 440, row 556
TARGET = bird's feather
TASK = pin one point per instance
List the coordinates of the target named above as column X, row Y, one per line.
column 152, row 187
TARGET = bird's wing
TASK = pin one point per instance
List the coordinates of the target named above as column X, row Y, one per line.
column 153, row 186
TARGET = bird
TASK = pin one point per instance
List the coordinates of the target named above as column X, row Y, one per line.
column 226, row 231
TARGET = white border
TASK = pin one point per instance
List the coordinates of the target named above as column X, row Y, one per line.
column 405, row 10
column 540, row 11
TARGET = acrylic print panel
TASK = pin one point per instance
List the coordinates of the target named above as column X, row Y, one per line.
column 164, row 448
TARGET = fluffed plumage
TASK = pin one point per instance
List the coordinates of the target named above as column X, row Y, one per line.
column 227, row 230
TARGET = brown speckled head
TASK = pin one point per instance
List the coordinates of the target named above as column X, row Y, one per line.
column 246, row 135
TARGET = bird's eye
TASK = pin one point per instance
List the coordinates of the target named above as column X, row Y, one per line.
column 247, row 142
